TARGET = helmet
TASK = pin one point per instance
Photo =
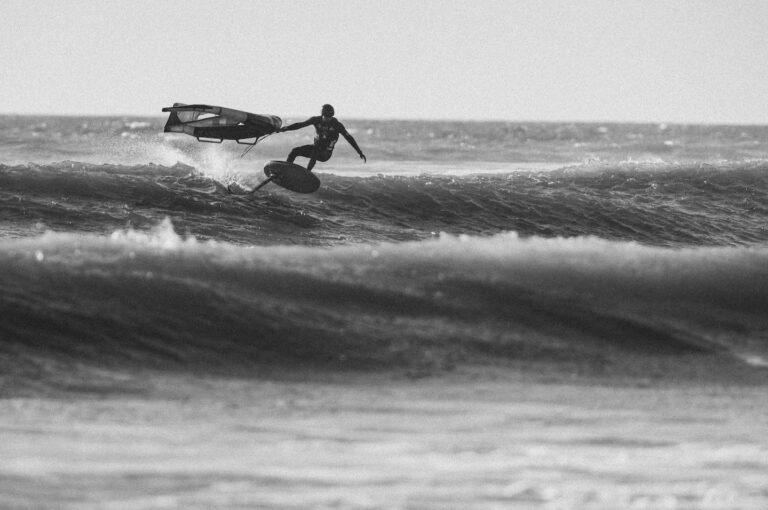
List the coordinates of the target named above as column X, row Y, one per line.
column 328, row 111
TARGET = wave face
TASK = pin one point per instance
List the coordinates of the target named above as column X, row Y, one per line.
column 159, row 300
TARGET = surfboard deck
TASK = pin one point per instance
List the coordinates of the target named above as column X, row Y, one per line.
column 292, row 176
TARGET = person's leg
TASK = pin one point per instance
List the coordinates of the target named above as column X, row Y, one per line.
column 304, row 151
column 311, row 163
column 318, row 156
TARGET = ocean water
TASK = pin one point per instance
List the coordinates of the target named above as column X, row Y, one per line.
column 485, row 315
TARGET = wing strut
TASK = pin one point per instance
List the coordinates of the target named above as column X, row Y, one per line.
column 252, row 145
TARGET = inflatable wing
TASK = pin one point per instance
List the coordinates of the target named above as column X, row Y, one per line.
column 215, row 124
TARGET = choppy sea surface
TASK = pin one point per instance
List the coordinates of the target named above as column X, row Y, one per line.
column 485, row 315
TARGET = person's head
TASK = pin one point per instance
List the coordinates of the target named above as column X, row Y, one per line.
column 327, row 111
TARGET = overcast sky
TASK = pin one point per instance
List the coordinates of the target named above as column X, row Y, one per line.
column 583, row 60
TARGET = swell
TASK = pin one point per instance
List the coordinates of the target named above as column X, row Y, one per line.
column 655, row 204
column 160, row 301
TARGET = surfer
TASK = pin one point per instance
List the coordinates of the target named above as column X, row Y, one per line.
column 327, row 131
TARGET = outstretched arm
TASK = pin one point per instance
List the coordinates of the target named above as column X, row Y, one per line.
column 296, row 125
column 349, row 138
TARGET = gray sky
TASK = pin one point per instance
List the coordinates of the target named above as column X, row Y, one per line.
column 588, row 60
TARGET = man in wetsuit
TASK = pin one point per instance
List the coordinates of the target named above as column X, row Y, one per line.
column 327, row 131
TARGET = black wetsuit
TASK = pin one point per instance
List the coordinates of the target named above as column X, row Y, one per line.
column 327, row 131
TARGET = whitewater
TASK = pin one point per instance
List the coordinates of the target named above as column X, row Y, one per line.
column 486, row 315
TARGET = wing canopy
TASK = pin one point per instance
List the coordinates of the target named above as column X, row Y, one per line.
column 217, row 123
